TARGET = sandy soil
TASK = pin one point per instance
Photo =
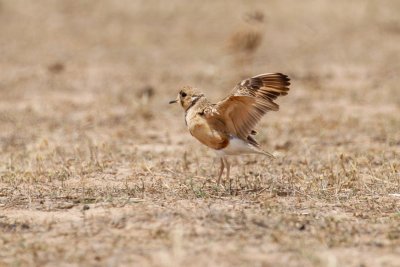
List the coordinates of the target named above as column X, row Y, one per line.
column 96, row 169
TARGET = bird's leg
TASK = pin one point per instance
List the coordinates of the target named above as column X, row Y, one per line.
column 221, row 170
column 228, row 168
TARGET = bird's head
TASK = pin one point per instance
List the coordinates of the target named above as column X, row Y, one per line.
column 187, row 97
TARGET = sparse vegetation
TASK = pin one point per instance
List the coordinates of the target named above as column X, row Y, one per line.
column 96, row 169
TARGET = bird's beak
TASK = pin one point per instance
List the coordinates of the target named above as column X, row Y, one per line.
column 173, row 101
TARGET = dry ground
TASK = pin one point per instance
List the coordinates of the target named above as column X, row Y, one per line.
column 96, row 169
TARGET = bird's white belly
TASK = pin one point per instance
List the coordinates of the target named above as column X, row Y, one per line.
column 236, row 146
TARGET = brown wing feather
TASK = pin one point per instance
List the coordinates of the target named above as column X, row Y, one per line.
column 249, row 101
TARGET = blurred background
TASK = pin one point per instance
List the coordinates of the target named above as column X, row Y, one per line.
column 67, row 65
column 82, row 74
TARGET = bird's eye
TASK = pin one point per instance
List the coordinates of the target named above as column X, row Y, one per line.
column 183, row 94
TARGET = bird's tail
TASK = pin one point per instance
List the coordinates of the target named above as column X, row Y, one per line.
column 255, row 146
column 265, row 153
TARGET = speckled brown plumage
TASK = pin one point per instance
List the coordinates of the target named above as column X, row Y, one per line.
column 234, row 117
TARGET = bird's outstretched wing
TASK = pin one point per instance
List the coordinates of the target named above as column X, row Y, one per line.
column 249, row 101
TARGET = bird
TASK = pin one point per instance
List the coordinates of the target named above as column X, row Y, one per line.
column 228, row 126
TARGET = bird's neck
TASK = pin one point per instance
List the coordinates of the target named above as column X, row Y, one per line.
column 201, row 100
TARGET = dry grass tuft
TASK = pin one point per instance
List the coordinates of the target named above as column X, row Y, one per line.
column 245, row 41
